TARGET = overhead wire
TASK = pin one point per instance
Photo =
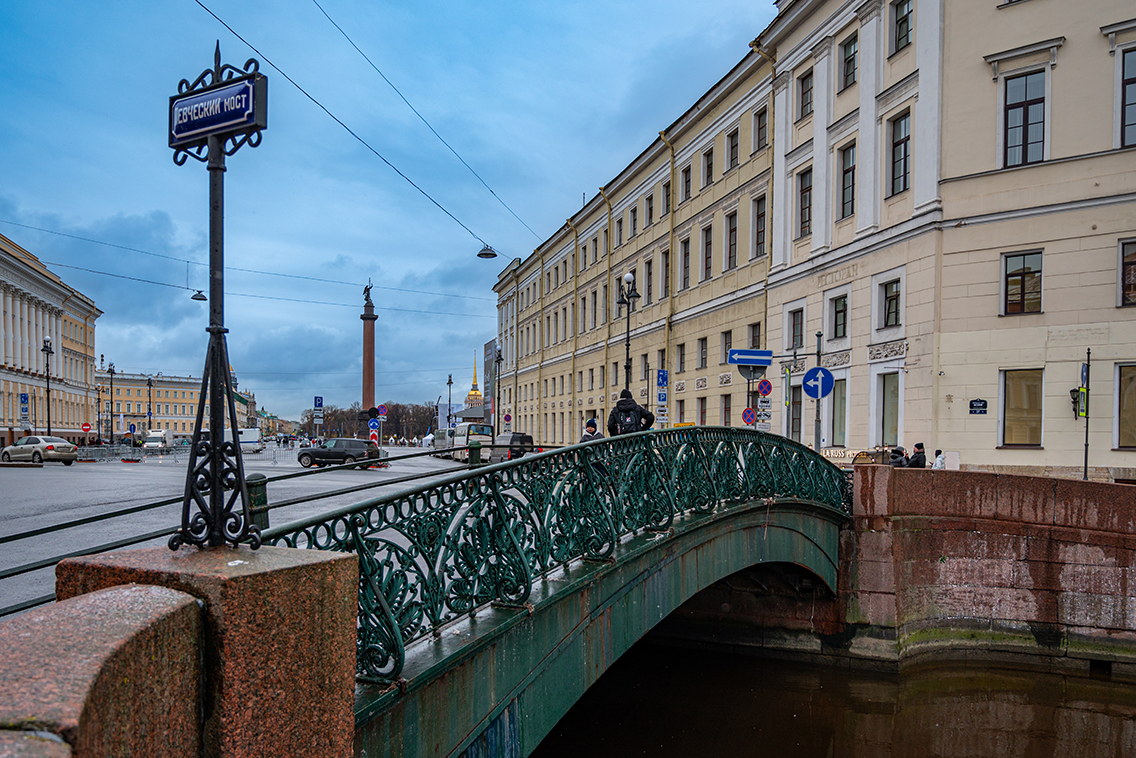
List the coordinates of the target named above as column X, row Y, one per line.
column 348, row 129
column 423, row 118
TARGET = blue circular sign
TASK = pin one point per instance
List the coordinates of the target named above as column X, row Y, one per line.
column 764, row 387
column 382, row 409
column 747, row 416
column 818, row 382
column 373, row 423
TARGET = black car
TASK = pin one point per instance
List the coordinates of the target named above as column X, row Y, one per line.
column 339, row 450
column 510, row 446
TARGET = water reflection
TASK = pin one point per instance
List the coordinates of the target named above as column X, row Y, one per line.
column 660, row 701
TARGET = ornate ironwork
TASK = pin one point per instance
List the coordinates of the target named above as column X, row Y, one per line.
column 210, row 77
column 434, row 554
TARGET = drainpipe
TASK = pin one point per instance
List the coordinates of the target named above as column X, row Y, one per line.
column 574, row 314
column 769, row 228
column 609, row 254
column 543, row 346
column 671, row 257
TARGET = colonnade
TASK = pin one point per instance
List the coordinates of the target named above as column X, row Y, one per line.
column 26, row 321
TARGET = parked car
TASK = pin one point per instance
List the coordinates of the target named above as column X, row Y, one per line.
column 339, row 450
column 40, row 449
column 518, row 445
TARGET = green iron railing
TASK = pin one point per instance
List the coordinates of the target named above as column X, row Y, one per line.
column 429, row 555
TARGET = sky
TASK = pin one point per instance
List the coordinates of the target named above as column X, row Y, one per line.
column 544, row 101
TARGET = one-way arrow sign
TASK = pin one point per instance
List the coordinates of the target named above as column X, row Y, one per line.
column 750, row 357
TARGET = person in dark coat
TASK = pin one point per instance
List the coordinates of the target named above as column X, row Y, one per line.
column 918, row 458
column 898, row 458
column 628, row 417
column 590, row 431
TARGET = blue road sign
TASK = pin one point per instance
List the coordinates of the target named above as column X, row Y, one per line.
column 373, row 423
column 764, row 387
column 319, row 402
column 23, row 398
column 750, row 357
column 132, row 428
column 662, row 397
column 382, row 409
column 230, row 108
column 747, row 416
column 818, row 382
column 661, row 378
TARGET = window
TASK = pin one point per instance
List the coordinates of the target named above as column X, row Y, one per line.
column 1128, row 100
column 701, row 352
column 805, row 184
column 839, row 317
column 732, row 241
column 681, row 359
column 848, row 73
column 595, row 249
column 649, row 209
column 727, row 346
column 707, row 252
column 759, row 227
column 901, row 25
column 615, row 373
column 591, row 379
column 1025, row 119
column 1021, row 407
column 890, row 315
column 889, row 409
column 666, row 258
column 900, row 153
column 805, row 94
column 556, row 277
column 732, row 148
column 755, row 336
column 1128, row 273
column 708, row 167
column 602, row 376
column 648, row 275
column 797, row 328
column 686, row 183
column 837, row 430
column 761, row 128
column 685, row 246
column 583, row 314
column 1023, row 283
column 680, row 410
column 593, row 310
column 795, row 402
column 727, row 403
column 666, row 198
column 1126, row 407
column 702, row 411
column 579, row 381
column 644, row 367
column 634, row 221
column 848, row 181
column 607, row 245
column 603, row 319
column 618, row 232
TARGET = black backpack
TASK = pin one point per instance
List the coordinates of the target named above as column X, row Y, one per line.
column 627, row 422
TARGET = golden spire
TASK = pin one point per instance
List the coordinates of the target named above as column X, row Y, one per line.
column 475, row 372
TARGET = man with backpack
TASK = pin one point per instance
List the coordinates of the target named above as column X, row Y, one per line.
column 628, row 417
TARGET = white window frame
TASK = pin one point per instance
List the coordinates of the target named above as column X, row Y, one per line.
column 1117, row 52
column 827, row 405
column 875, row 399
column 754, row 197
column 1120, row 243
column 787, row 324
column 726, row 239
column 1115, row 403
column 843, row 343
column 893, row 23
column 879, row 332
column 1002, row 279
column 1000, row 76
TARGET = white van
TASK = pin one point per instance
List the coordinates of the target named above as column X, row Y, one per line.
column 466, row 433
column 159, row 438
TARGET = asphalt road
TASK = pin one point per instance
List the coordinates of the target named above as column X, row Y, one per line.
column 33, row 498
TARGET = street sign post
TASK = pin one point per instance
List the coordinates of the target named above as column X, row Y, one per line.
column 750, row 357
column 764, row 387
column 818, row 382
column 747, row 416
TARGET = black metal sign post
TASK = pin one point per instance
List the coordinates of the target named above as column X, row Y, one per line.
column 224, row 109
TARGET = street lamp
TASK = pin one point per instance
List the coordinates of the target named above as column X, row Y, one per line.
column 110, row 370
column 47, row 353
column 149, row 402
column 627, row 297
column 99, row 409
column 497, row 390
column 449, row 398
column 487, row 252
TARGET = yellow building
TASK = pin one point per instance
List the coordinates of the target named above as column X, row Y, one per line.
column 945, row 192
column 38, row 310
column 129, row 398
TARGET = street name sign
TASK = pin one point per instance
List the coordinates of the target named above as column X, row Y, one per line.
column 818, row 382
column 234, row 107
column 750, row 357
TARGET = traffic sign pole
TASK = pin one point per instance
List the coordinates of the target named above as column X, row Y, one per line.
column 816, row 428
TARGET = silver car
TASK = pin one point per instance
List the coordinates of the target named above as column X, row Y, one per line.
column 40, row 449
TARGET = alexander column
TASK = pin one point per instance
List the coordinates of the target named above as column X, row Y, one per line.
column 368, row 318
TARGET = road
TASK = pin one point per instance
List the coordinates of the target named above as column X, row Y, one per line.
column 33, row 498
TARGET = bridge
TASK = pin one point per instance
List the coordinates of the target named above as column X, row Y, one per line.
column 491, row 600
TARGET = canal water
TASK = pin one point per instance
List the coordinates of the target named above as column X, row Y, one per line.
column 670, row 702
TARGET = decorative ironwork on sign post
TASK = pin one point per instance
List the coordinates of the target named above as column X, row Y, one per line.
column 220, row 112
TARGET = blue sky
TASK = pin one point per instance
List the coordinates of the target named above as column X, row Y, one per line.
column 546, row 101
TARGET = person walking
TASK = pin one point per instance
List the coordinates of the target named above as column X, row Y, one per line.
column 918, row 458
column 628, row 417
column 590, row 431
column 940, row 463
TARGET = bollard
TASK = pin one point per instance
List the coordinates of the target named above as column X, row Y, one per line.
column 474, row 454
column 258, row 499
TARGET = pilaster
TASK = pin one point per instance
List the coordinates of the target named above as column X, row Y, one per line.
column 779, row 208
column 869, row 139
column 928, row 129
column 822, row 165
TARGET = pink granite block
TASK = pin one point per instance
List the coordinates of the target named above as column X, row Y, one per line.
column 1096, row 505
column 115, row 672
column 279, row 640
column 1028, row 499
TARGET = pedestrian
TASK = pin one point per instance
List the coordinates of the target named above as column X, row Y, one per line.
column 628, row 417
column 590, row 431
column 918, row 458
column 898, row 458
column 940, row 461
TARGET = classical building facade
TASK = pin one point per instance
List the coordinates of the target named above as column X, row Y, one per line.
column 687, row 222
column 36, row 305
column 935, row 201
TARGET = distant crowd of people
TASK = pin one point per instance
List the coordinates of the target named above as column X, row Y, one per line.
column 918, row 459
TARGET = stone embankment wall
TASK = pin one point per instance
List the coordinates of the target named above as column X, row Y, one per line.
column 948, row 564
